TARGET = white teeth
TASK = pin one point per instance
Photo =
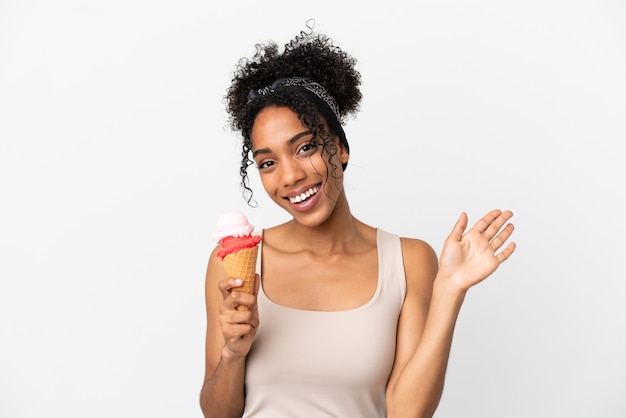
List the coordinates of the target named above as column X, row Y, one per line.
column 304, row 196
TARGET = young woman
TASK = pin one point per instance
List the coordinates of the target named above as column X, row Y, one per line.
column 348, row 320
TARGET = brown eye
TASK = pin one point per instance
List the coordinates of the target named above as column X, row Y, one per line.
column 265, row 164
column 308, row 147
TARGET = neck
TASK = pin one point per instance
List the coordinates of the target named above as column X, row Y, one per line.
column 334, row 235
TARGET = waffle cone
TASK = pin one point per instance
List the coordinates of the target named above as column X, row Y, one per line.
column 242, row 265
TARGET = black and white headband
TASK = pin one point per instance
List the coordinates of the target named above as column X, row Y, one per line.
column 307, row 84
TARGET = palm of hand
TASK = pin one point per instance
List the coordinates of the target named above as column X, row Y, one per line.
column 468, row 258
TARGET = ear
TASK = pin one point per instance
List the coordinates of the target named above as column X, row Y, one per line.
column 343, row 154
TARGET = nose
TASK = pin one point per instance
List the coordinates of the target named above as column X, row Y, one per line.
column 292, row 172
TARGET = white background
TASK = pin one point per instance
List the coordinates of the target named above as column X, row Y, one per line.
column 116, row 161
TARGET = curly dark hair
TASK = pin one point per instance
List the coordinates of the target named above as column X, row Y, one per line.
column 309, row 55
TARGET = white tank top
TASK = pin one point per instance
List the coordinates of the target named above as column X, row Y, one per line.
column 328, row 364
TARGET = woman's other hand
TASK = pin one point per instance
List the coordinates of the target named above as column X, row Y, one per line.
column 469, row 257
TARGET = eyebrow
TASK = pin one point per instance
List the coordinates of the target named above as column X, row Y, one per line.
column 289, row 142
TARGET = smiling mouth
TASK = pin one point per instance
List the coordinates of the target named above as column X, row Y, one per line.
column 305, row 195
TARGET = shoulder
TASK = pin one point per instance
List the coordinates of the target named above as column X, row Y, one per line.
column 215, row 268
column 417, row 250
column 420, row 263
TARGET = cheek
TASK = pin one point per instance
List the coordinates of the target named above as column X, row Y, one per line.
column 331, row 167
column 331, row 172
column 318, row 163
column 323, row 161
column 271, row 185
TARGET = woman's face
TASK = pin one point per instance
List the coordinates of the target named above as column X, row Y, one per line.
column 294, row 167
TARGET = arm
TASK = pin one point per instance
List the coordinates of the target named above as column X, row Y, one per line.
column 426, row 328
column 229, row 337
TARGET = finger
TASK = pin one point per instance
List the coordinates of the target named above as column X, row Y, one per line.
column 236, row 338
column 242, row 301
column 482, row 225
column 243, row 306
column 496, row 224
column 501, row 238
column 459, row 227
column 506, row 253
column 227, row 285
column 239, row 331
column 234, row 318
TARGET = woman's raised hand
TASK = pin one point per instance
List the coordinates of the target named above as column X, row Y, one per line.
column 238, row 327
column 469, row 257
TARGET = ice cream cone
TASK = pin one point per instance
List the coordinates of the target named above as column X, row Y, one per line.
column 242, row 265
column 239, row 249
